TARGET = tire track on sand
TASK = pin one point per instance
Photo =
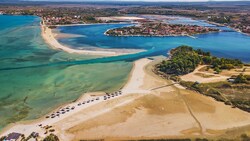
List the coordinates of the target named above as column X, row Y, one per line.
column 190, row 111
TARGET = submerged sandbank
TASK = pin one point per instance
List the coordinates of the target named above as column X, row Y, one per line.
column 133, row 86
column 148, row 107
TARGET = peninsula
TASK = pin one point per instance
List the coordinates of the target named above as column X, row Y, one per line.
column 49, row 37
column 168, row 110
column 72, row 71
column 226, row 80
column 160, row 29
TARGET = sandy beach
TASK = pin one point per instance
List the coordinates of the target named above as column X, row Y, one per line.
column 202, row 76
column 212, row 77
column 127, row 93
column 146, row 107
column 50, row 39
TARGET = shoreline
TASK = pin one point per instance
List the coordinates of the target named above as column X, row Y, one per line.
column 132, row 86
column 93, row 120
column 50, row 39
column 62, row 25
column 185, row 35
column 29, row 126
column 223, row 25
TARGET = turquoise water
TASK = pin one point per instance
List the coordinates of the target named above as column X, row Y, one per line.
column 223, row 44
column 35, row 79
column 32, row 92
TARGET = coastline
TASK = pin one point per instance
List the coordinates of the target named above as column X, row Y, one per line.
column 187, row 35
column 61, row 25
column 130, row 88
column 168, row 111
column 136, row 84
column 223, row 25
column 49, row 38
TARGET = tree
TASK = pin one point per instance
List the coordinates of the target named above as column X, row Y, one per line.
column 185, row 59
column 51, row 137
column 217, row 70
column 207, row 60
column 240, row 79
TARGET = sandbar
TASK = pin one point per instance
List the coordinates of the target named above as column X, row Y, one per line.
column 149, row 107
column 50, row 39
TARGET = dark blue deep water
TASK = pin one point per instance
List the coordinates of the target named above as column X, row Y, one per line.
column 228, row 44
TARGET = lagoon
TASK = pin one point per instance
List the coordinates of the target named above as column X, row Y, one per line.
column 228, row 44
column 35, row 78
column 32, row 92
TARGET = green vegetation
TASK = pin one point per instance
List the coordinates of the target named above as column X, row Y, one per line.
column 185, row 59
column 242, row 78
column 209, row 89
column 220, row 19
column 51, row 137
column 234, row 94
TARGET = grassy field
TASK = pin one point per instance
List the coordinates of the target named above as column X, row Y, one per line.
column 237, row 95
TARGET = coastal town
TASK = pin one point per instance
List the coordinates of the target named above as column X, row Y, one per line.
column 83, row 13
column 160, row 29
column 124, row 71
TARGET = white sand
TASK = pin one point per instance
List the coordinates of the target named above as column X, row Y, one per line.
column 141, row 112
column 49, row 37
column 28, row 127
column 136, row 78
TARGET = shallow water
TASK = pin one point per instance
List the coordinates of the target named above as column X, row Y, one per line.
column 35, row 79
column 32, row 92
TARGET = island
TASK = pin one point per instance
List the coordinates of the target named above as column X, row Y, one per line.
column 159, row 29
column 62, row 79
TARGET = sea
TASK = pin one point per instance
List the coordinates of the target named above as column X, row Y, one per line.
column 30, row 86
column 35, row 79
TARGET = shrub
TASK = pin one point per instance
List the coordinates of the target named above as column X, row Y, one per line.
column 240, row 79
column 185, row 59
column 51, row 137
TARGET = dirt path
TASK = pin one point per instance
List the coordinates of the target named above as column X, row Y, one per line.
column 193, row 77
column 150, row 108
column 163, row 86
column 190, row 111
